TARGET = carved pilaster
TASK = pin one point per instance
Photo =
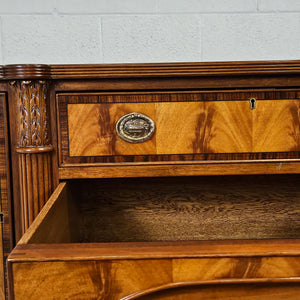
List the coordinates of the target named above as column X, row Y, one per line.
column 33, row 146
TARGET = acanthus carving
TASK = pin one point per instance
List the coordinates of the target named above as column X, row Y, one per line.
column 33, row 147
column 32, row 112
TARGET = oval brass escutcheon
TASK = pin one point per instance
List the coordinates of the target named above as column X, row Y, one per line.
column 135, row 128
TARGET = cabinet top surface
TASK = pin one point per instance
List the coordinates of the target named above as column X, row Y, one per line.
column 182, row 69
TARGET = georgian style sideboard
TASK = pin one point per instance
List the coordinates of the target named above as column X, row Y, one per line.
column 150, row 181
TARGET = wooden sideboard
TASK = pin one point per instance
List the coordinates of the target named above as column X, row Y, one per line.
column 165, row 181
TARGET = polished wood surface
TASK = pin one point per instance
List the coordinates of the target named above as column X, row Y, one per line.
column 54, row 224
column 189, row 126
column 5, row 196
column 26, row 71
column 240, row 167
column 175, row 69
column 119, row 279
column 201, row 208
column 149, row 70
column 33, row 147
column 194, row 291
column 40, row 262
column 62, row 255
column 142, row 250
column 128, row 270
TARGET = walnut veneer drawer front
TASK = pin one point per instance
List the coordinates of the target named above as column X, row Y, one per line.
column 225, row 125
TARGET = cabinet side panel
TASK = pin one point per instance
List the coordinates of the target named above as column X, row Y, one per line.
column 5, row 241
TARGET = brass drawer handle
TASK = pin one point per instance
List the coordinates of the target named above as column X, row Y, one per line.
column 135, row 128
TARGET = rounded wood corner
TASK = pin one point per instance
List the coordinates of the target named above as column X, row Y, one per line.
column 26, row 71
column 1, row 72
column 34, row 149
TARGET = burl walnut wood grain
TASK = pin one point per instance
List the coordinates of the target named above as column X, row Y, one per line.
column 5, row 234
column 189, row 126
column 33, row 147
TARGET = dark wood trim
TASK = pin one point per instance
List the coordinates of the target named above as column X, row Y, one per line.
column 181, row 169
column 1, row 72
column 155, row 250
column 178, row 83
column 32, row 145
column 10, row 280
column 5, row 191
column 26, row 72
column 37, row 71
column 35, row 149
column 174, row 69
column 16, row 210
column 69, row 161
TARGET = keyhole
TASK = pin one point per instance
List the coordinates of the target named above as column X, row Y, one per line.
column 252, row 103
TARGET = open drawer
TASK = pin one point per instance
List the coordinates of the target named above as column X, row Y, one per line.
column 165, row 238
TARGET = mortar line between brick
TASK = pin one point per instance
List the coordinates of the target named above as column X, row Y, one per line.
column 2, row 40
column 201, row 37
column 156, row 6
column 101, row 39
column 55, row 11
column 128, row 14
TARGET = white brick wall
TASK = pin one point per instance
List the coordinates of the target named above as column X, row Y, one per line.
column 251, row 37
column 154, row 38
column 107, row 31
column 48, row 39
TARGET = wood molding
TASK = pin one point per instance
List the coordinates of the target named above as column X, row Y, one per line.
column 176, row 285
column 33, row 146
column 175, row 69
column 181, row 169
column 1, row 72
column 32, row 113
column 26, row 72
column 159, row 250
column 203, row 69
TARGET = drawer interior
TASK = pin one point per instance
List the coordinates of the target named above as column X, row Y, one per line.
column 173, row 209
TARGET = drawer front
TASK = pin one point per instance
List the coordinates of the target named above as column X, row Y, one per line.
column 188, row 126
column 182, row 279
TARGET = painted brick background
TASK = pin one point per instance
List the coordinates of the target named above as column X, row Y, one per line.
column 108, row 31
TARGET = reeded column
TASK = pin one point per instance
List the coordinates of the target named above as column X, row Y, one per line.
column 32, row 139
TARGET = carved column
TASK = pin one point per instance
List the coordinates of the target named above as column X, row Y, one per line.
column 32, row 139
